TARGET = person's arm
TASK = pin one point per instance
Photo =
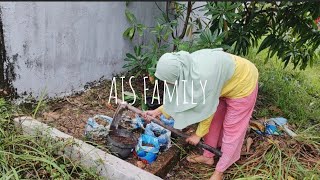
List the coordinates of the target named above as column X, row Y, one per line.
column 155, row 113
column 167, row 116
column 204, row 126
column 202, row 130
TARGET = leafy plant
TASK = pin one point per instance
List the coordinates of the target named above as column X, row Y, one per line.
column 138, row 61
column 146, row 55
column 235, row 26
column 164, row 35
column 136, row 27
column 41, row 103
column 33, row 156
column 130, row 97
column 223, row 14
column 291, row 36
column 4, row 109
column 207, row 39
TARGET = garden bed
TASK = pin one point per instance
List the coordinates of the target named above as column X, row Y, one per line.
column 70, row 115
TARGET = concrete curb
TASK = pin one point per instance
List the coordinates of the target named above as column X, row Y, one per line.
column 106, row 165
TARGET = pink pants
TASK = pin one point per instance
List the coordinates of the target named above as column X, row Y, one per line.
column 228, row 128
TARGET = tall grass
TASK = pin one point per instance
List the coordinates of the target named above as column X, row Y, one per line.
column 287, row 159
column 33, row 157
column 295, row 93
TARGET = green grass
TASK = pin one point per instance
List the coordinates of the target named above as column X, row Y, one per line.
column 287, row 159
column 295, row 92
column 33, row 157
column 295, row 95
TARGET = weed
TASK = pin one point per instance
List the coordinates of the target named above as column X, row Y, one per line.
column 33, row 157
column 293, row 94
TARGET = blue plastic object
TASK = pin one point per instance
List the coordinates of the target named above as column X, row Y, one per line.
column 137, row 122
column 146, row 152
column 154, row 134
column 141, row 153
column 279, row 120
column 168, row 122
column 162, row 134
column 148, row 156
column 104, row 117
column 271, row 129
column 147, row 139
column 92, row 123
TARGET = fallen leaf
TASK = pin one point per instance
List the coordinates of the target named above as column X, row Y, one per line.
column 51, row 116
column 63, row 129
column 4, row 92
column 141, row 165
column 290, row 178
column 110, row 106
column 275, row 109
column 249, row 143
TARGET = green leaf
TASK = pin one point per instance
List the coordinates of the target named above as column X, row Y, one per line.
column 137, row 50
column 174, row 23
column 199, row 23
column 144, row 107
column 127, row 59
column 126, row 32
column 140, row 31
column 130, row 17
column 265, row 43
column 221, row 23
column 131, row 33
column 129, row 96
column 130, row 56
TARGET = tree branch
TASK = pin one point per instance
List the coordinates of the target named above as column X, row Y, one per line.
column 189, row 9
column 199, row 7
column 159, row 8
column 167, row 8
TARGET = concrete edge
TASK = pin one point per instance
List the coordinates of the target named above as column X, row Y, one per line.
column 106, row 165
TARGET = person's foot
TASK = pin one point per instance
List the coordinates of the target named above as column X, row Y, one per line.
column 200, row 159
column 216, row 176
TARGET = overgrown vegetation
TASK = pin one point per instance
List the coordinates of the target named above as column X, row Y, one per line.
column 270, row 158
column 291, row 93
column 270, row 31
column 288, row 29
column 33, row 157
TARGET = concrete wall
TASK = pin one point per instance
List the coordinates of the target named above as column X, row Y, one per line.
column 61, row 46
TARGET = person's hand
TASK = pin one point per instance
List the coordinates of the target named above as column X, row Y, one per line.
column 193, row 139
column 153, row 113
column 217, row 176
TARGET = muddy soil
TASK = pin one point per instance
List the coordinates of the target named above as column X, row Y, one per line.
column 122, row 139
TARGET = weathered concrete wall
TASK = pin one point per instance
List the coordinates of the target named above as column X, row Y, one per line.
column 61, row 46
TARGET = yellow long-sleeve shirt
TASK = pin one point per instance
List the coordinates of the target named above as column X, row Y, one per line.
column 241, row 84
